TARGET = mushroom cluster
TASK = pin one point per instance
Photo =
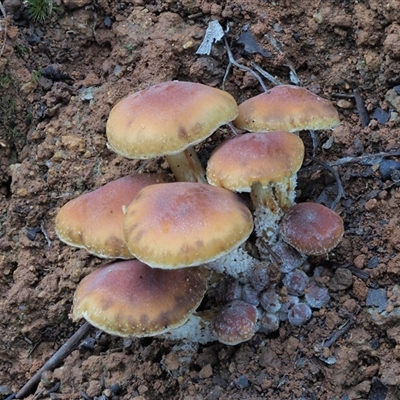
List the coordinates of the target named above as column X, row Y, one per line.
column 179, row 262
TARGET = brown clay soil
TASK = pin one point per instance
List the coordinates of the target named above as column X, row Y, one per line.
column 53, row 148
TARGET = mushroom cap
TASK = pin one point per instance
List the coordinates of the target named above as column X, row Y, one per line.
column 129, row 298
column 263, row 158
column 94, row 220
column 167, row 118
column 181, row 224
column 286, row 108
column 235, row 323
column 311, row 228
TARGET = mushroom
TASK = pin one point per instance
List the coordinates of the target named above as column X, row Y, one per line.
column 169, row 119
column 286, row 108
column 311, row 228
column 182, row 224
column 94, row 220
column 131, row 299
column 264, row 164
column 235, row 323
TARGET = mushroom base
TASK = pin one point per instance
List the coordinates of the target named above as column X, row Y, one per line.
column 197, row 329
column 237, row 264
column 270, row 203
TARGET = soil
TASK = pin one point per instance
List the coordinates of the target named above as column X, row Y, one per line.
column 59, row 80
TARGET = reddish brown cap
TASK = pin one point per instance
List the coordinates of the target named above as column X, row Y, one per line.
column 312, row 228
column 94, row 220
column 263, row 158
column 167, row 118
column 181, row 224
column 128, row 298
column 286, row 108
column 235, row 323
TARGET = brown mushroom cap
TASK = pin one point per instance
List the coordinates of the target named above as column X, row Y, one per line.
column 235, row 323
column 167, row 118
column 182, row 224
column 263, row 158
column 312, row 228
column 94, row 220
column 128, row 298
column 286, row 108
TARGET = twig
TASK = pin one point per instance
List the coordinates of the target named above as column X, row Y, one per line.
column 335, row 336
column 233, row 129
column 266, row 74
column 56, row 359
column 43, row 229
column 340, row 191
column 362, row 112
column 314, row 141
column 367, row 159
column 343, row 95
column 233, row 62
column 364, row 275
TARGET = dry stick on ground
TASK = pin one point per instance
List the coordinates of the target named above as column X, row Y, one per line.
column 56, row 359
column 340, row 191
column 335, row 336
column 362, row 112
column 367, row 159
column 233, row 62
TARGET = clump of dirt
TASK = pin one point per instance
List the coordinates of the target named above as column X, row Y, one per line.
column 59, row 81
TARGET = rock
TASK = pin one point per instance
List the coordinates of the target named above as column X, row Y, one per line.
column 377, row 298
column 342, row 280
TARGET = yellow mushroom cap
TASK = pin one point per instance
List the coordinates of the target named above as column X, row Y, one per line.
column 263, row 158
column 167, row 118
column 182, row 224
column 94, row 220
column 312, row 228
column 286, row 108
column 128, row 298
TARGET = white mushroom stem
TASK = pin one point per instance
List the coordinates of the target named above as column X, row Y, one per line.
column 186, row 166
column 270, row 202
column 196, row 329
column 237, row 263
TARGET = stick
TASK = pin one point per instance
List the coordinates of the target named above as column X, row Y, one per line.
column 362, row 112
column 335, row 336
column 340, row 191
column 56, row 359
column 233, row 62
column 365, row 159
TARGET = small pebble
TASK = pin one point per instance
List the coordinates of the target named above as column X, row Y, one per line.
column 342, row 103
column 373, row 262
column 371, row 204
column 389, row 308
column 115, row 388
column 107, row 22
column 381, row 116
column 375, row 344
column 377, row 298
column 386, row 166
column 242, row 382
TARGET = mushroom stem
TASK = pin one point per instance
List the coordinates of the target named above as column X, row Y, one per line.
column 197, row 328
column 237, row 264
column 186, row 166
column 270, row 202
